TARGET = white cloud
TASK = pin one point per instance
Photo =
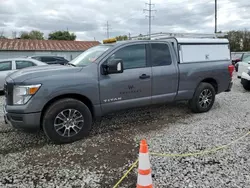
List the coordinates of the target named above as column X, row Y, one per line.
column 87, row 18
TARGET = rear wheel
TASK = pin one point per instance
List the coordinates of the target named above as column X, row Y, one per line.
column 66, row 121
column 203, row 98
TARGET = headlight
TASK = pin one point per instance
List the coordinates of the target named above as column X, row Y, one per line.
column 22, row 94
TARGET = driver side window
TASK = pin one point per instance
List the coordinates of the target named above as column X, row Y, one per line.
column 133, row 56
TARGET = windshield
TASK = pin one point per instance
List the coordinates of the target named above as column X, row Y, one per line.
column 236, row 56
column 89, row 56
column 246, row 57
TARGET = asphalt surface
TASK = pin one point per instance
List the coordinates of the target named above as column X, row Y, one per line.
column 29, row 160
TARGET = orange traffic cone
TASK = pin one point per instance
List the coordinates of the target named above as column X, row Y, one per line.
column 144, row 179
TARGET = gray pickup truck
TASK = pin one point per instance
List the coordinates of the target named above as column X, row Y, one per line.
column 64, row 100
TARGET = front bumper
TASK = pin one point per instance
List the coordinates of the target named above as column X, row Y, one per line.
column 29, row 121
column 245, row 76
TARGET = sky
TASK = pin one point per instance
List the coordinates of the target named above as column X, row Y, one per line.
column 88, row 18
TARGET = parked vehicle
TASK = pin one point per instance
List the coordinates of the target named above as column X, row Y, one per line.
column 243, row 65
column 64, row 100
column 51, row 59
column 245, row 79
column 236, row 57
column 8, row 66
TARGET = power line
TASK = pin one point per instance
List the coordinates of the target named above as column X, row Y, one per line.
column 149, row 10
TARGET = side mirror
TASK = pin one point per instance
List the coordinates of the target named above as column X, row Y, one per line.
column 113, row 67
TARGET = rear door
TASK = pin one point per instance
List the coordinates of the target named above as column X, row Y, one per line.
column 129, row 89
column 164, row 72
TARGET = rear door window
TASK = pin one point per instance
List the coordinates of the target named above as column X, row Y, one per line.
column 24, row 64
column 160, row 54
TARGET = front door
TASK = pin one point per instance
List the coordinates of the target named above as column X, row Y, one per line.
column 129, row 89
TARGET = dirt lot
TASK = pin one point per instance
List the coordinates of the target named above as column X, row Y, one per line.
column 28, row 160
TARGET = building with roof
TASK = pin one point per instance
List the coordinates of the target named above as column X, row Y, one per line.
column 12, row 48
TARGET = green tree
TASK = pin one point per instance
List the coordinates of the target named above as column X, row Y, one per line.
column 32, row 35
column 24, row 35
column 62, row 35
column 236, row 40
column 121, row 37
column 36, row 35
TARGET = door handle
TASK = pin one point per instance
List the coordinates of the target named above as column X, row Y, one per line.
column 144, row 76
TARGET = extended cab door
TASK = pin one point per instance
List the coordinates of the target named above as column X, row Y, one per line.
column 129, row 89
column 164, row 72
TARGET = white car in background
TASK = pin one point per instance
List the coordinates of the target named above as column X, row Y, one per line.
column 245, row 79
column 243, row 65
column 8, row 66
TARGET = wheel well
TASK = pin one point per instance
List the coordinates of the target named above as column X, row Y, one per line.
column 79, row 97
column 213, row 82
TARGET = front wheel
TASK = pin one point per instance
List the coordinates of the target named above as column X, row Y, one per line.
column 66, row 121
column 203, row 98
column 246, row 85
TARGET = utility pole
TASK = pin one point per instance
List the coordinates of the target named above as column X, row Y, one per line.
column 107, row 29
column 149, row 10
column 215, row 27
column 14, row 34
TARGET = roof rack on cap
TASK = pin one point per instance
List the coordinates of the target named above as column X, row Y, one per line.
column 164, row 35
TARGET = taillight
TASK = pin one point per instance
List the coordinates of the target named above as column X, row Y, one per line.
column 231, row 70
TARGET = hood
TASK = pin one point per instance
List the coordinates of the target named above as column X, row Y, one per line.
column 42, row 71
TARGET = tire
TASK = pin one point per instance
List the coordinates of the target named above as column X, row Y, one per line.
column 57, row 112
column 236, row 67
column 194, row 103
column 246, row 85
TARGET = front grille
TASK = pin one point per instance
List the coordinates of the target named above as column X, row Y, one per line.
column 5, row 89
column 8, row 92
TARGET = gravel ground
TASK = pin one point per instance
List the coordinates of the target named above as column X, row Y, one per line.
column 28, row 160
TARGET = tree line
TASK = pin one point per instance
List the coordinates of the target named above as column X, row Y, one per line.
column 239, row 40
column 35, row 34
